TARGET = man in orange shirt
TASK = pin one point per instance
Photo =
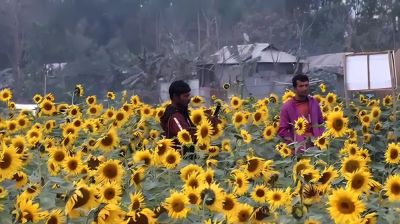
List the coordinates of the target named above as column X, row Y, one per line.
column 301, row 105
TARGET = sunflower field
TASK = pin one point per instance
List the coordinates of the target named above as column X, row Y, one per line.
column 106, row 161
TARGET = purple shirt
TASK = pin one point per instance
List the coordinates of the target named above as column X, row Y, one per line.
column 289, row 115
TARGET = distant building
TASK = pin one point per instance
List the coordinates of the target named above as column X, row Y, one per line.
column 252, row 70
column 329, row 64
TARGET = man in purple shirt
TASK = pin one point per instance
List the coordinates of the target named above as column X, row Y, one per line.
column 301, row 105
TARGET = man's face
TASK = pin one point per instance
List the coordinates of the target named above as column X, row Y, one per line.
column 183, row 99
column 302, row 89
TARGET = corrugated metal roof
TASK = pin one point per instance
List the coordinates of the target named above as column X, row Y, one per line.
column 259, row 52
column 326, row 60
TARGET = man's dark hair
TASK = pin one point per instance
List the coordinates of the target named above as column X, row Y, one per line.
column 300, row 77
column 178, row 87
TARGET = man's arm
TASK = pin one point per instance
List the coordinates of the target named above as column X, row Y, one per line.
column 284, row 126
column 320, row 116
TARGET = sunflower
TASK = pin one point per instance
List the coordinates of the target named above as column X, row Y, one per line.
column 21, row 179
column 337, row 124
column 310, row 194
column 146, row 111
column 30, row 192
column 370, row 218
column 259, row 193
column 94, row 109
column 55, row 217
column 159, row 113
column 135, row 100
column 177, row 205
column 301, row 165
column 331, row 98
column 5, row 95
column 83, row 197
column 197, row 101
column 327, row 176
column 110, row 192
column 392, row 187
column 197, row 116
column 72, row 164
column 193, row 194
column 375, row 113
column 91, row 100
column 74, row 111
column 22, row 121
column 144, row 156
column 137, row 201
column 245, row 136
column 111, row 170
column 171, row 159
column 359, row 181
column 218, row 131
column 184, row 137
column 269, row 133
column 322, row 87
column 204, row 132
column 312, row 221
column 53, row 167
column 259, row 117
column 287, row 96
column 241, row 183
column 392, row 154
column 69, row 129
column 236, row 102
column 12, row 126
column 47, row 107
column 226, row 145
column 37, row 98
column 300, row 126
column 242, row 214
column 58, row 154
column 310, row 175
column 212, row 196
column 137, row 177
column 284, row 150
column 110, row 213
column 3, row 192
column 322, row 142
column 387, row 101
column 345, row 207
column 162, row 146
column 239, row 119
column 28, row 211
column 10, row 162
column 109, row 141
column 254, row 166
column 33, row 136
column 351, row 149
column 260, row 215
column 367, row 138
column 48, row 126
column 229, row 205
column 194, row 180
column 111, row 95
column 91, row 125
column 352, row 163
column 378, row 127
column 186, row 171
column 366, row 120
column 11, row 105
column 143, row 216
column 277, row 198
column 120, row 118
